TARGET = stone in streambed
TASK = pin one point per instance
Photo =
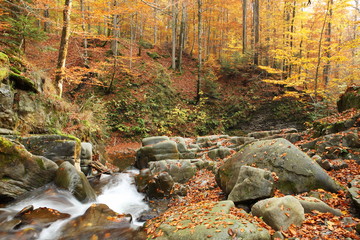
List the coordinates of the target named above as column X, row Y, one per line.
column 74, row 181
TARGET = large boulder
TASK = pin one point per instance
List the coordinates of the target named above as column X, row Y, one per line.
column 280, row 213
column 180, row 170
column 350, row 99
column 296, row 171
column 100, row 222
column 252, row 184
column 206, row 220
column 20, row 171
column 74, row 181
column 57, row 148
column 159, row 151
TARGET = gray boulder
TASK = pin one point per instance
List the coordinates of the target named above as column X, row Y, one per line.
column 57, row 148
column 297, row 172
column 221, row 152
column 159, row 151
column 280, row 213
column 354, row 191
column 310, row 203
column 252, row 184
column 154, row 140
column 20, row 171
column 74, row 181
column 86, row 157
column 208, row 220
column 180, row 170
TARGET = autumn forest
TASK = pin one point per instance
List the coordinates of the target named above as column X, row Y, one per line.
column 179, row 119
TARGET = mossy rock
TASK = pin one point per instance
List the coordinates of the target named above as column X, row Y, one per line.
column 20, row 171
column 146, row 44
column 23, row 83
column 350, row 99
column 4, row 66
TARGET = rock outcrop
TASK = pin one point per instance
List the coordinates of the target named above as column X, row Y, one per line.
column 21, row 171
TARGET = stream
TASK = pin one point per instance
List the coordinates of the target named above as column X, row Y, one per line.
column 117, row 191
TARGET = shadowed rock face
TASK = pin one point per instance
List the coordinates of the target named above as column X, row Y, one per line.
column 297, row 172
column 20, row 171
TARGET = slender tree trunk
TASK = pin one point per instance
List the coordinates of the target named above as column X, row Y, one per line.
column 256, row 31
column 292, row 30
column 182, row 36
column 132, row 36
column 114, row 42
column 173, row 35
column 244, row 29
column 46, row 16
column 198, row 90
column 155, row 23
column 319, row 53
column 83, row 26
column 64, row 44
column 327, row 67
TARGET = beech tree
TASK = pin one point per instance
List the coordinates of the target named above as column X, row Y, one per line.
column 64, row 44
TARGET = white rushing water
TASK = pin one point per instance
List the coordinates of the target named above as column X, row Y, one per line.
column 119, row 194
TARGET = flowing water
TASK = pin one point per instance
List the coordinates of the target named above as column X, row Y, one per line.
column 119, row 193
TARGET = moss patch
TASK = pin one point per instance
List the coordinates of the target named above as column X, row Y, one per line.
column 22, row 82
column 4, row 66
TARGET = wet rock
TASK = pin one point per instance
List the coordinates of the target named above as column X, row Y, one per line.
column 160, row 186
column 252, row 184
column 99, row 222
column 297, row 172
column 280, row 213
column 41, row 217
column 277, row 236
column 219, row 224
column 339, row 164
column 57, row 148
column 74, row 181
column 20, row 171
column 310, row 203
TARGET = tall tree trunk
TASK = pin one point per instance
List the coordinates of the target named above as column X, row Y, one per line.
column 256, row 31
column 244, row 28
column 182, row 36
column 46, row 16
column 64, row 44
column 173, row 31
column 292, row 31
column 327, row 67
column 199, row 80
column 155, row 23
column 114, row 41
column 83, row 26
column 316, row 80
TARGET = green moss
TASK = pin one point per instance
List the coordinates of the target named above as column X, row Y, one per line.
column 4, row 66
column 153, row 55
column 22, row 82
column 5, row 143
column 40, row 163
